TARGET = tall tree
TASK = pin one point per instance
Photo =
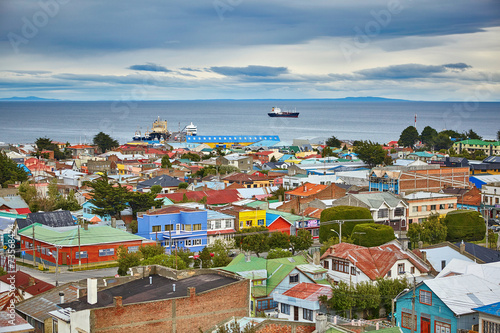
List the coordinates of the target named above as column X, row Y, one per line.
column 498, row 136
column 430, row 231
column 165, row 162
column 301, row 242
column 10, row 172
column 140, row 202
column 104, row 142
column 370, row 152
column 442, row 141
column 473, row 135
column 427, row 136
column 279, row 240
column 333, row 142
column 408, row 137
column 107, row 198
column 255, row 239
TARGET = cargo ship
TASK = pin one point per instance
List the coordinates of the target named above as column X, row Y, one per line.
column 276, row 112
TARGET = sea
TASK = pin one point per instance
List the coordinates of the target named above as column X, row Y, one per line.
column 378, row 121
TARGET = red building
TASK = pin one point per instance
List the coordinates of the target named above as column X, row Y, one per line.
column 71, row 246
column 279, row 224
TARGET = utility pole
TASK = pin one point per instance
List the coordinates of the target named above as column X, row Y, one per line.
column 413, row 321
column 34, row 248
column 79, row 249
column 485, row 214
column 57, row 264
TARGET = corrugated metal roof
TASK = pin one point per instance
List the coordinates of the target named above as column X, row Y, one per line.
column 492, row 309
column 231, row 138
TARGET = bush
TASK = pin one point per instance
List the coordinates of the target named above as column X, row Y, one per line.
column 371, row 234
column 344, row 213
column 464, row 225
column 278, row 253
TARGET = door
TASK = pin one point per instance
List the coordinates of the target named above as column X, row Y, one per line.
column 296, row 313
column 425, row 325
column 64, row 258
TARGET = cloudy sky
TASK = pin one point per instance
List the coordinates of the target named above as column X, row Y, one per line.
column 246, row 49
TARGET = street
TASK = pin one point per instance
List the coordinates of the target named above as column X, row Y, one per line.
column 67, row 276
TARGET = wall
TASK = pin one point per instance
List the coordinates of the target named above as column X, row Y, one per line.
column 274, row 326
column 185, row 314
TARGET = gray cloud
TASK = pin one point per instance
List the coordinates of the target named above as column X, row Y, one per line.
column 259, row 71
column 407, row 71
column 150, row 67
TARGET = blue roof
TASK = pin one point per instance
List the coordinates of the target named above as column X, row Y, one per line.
column 263, row 143
column 492, row 309
column 231, row 138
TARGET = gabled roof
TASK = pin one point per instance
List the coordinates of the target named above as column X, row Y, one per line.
column 376, row 199
column 375, row 262
column 214, row 197
column 62, row 218
column 491, row 309
column 163, row 181
column 481, row 252
column 462, row 293
column 307, row 189
column 27, row 283
column 309, row 291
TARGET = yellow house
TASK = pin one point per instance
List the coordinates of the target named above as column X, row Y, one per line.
column 247, row 217
column 471, row 146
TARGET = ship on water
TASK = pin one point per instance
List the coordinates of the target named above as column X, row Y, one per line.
column 276, row 112
column 159, row 133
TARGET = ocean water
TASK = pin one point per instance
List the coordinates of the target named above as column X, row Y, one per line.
column 380, row 121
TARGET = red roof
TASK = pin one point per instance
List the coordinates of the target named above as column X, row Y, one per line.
column 80, row 147
column 309, row 291
column 244, row 177
column 214, row 197
column 313, row 212
column 307, row 189
column 222, row 232
column 95, row 219
column 375, row 262
column 22, row 282
column 170, row 210
column 264, row 153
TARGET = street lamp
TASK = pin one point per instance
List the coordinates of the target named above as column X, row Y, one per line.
column 335, row 231
column 392, row 306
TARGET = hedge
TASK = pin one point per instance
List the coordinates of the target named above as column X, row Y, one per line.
column 371, row 234
column 343, row 213
column 466, row 225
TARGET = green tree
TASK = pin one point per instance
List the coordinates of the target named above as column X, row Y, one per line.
column 279, row 240
column 133, row 226
column 273, row 159
column 333, row 142
column 10, row 172
column 155, row 189
column 454, row 134
column 301, row 242
column 408, row 137
column 29, row 194
column 165, row 162
column 142, row 201
column 166, row 260
column 185, row 255
column 191, row 156
column 390, row 288
column 430, row 231
column 205, row 258
column 150, row 251
column 371, row 234
column 104, row 142
column 278, row 253
column 442, row 141
column 183, row 185
column 343, row 298
column 107, row 199
column 427, row 136
column 279, row 193
column 342, row 213
column 127, row 259
column 327, row 151
column 464, row 225
column 367, row 296
column 473, row 135
column 371, row 153
column 255, row 239
column 69, row 203
column 220, row 249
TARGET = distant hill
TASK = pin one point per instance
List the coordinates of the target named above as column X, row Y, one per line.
column 370, row 99
column 28, row 98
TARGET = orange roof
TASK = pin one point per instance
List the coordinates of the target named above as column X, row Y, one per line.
column 309, row 291
column 313, row 212
column 80, row 147
column 95, row 219
column 307, row 189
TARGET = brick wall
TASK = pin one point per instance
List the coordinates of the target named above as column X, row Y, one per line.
column 299, row 204
column 433, row 180
column 185, row 314
column 271, row 326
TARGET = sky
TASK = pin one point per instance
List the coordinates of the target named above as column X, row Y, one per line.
column 447, row 50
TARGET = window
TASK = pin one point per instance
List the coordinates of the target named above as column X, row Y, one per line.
column 156, row 228
column 294, row 278
column 401, row 268
column 132, row 249
column 412, row 270
column 82, row 254
column 424, row 208
column 383, row 213
column 389, row 273
column 406, row 320
column 442, row 206
column 425, row 297
column 197, row 226
column 249, row 223
column 196, row 241
column 266, row 304
column 209, row 225
column 54, row 326
column 308, row 314
column 433, row 207
column 326, row 264
column 106, row 252
column 340, row 266
column 260, row 222
column 217, row 224
column 169, row 227
column 285, row 308
column 187, row 227
column 446, row 328
column 188, row 242
column 399, row 211
column 315, row 232
column 353, row 270
column 443, row 264
column 414, row 209
column 488, row 327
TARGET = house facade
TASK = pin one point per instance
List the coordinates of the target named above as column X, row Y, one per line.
column 245, row 217
column 220, row 226
column 174, row 227
column 423, row 204
column 490, row 198
column 242, row 162
column 471, row 146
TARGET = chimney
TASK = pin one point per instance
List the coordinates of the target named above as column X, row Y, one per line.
column 191, row 292
column 117, row 302
column 31, row 281
column 321, row 323
column 113, row 222
column 424, row 255
column 420, row 244
column 462, row 247
column 316, row 258
column 92, row 291
column 61, row 297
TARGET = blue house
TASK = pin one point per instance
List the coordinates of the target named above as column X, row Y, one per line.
column 175, row 227
column 87, row 207
column 445, row 305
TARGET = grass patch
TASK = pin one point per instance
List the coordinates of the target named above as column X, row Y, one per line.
column 92, row 267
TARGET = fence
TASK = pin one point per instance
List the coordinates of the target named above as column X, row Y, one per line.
column 368, row 325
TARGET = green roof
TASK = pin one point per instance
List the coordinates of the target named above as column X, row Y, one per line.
column 277, row 270
column 12, row 215
column 288, row 216
column 68, row 236
column 258, row 204
column 478, row 142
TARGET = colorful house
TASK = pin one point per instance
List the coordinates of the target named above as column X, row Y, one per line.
column 445, row 304
column 246, row 217
column 175, row 227
column 76, row 245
